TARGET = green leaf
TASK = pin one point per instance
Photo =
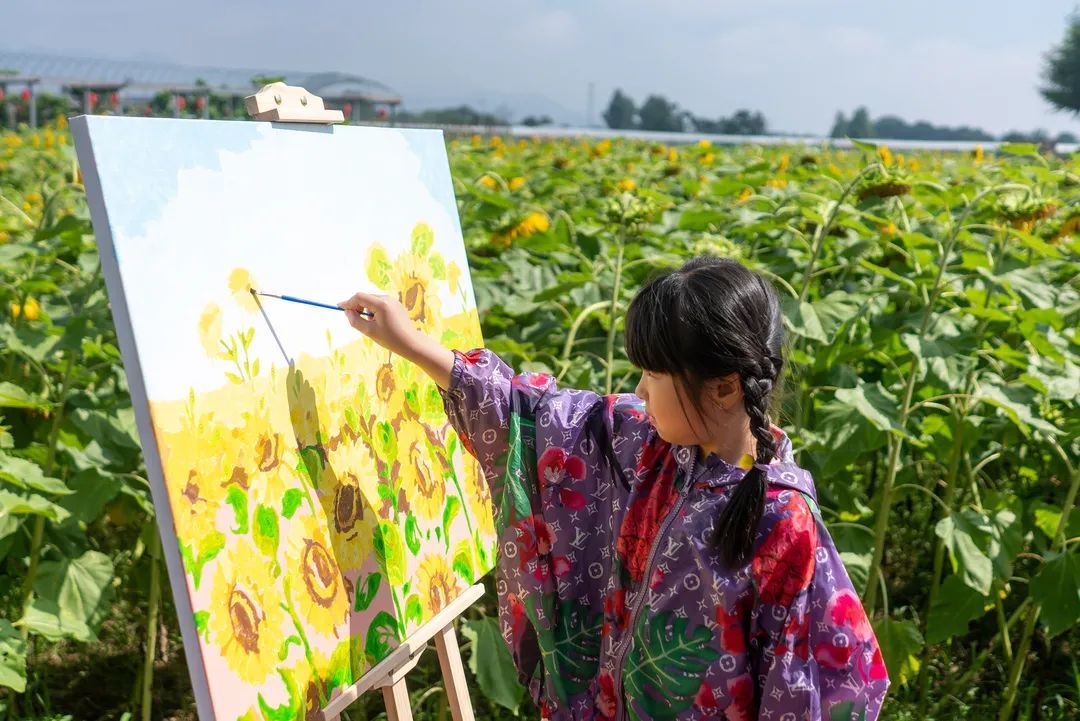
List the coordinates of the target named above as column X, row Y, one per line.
column 450, row 510
column 27, row 474
column 1057, row 589
column 390, row 552
column 12, row 396
column 414, row 612
column 237, row 498
column 520, row 464
column 873, row 403
column 291, row 709
column 863, row 145
column 463, row 561
column 667, row 661
column 291, row 501
column 71, row 597
column 380, row 634
column 200, row 618
column 12, row 657
column 956, row 605
column 1019, row 148
column 901, row 643
column 422, row 238
column 571, row 648
column 802, row 319
column 412, row 534
column 371, row 588
column 965, row 535
column 1016, row 403
column 20, row 505
column 491, row 662
column 266, row 529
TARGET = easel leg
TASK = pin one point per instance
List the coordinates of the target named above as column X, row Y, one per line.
column 396, row 698
column 457, row 692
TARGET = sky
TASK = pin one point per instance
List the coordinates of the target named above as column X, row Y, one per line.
column 948, row 62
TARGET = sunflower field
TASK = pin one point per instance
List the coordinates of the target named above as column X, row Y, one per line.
column 932, row 304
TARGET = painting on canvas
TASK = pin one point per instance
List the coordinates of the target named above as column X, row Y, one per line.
column 316, row 507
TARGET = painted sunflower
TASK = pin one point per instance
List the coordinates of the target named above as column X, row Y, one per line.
column 422, row 475
column 240, row 284
column 210, row 330
column 349, row 497
column 317, row 586
column 437, row 584
column 245, row 614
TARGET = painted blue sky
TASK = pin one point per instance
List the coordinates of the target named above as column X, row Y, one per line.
column 798, row 61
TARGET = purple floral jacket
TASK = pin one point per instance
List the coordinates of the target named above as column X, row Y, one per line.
column 610, row 599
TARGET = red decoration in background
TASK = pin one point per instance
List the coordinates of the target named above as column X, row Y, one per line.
column 25, row 95
column 114, row 99
column 1, row 95
column 200, row 102
column 380, row 113
column 347, row 109
column 93, row 97
column 181, row 102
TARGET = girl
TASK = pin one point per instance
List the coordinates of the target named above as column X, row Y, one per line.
column 662, row 555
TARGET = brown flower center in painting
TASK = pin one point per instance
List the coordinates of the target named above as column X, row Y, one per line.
column 439, row 593
column 320, row 573
column 385, row 382
column 425, row 476
column 266, row 451
column 347, row 508
column 244, row 617
column 413, row 297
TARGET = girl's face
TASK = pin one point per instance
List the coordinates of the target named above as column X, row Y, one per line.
column 665, row 408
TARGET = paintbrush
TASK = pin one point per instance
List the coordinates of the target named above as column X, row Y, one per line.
column 366, row 314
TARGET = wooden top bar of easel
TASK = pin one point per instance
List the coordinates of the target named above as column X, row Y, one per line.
column 283, row 103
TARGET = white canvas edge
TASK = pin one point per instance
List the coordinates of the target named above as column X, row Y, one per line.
column 133, row 371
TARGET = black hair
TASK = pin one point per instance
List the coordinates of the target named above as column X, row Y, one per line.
column 708, row 319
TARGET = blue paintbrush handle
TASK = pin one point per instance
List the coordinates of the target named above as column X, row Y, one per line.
column 294, row 299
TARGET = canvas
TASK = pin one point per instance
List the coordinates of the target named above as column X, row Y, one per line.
column 315, row 505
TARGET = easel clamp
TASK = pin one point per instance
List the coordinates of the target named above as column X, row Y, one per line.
column 283, row 103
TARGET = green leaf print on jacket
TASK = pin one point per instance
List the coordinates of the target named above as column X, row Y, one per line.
column 571, row 649
column 664, row 669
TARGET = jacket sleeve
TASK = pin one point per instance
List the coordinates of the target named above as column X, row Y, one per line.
column 819, row 658
column 559, row 462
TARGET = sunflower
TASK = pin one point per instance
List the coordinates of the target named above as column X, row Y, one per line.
column 241, row 283
column 421, row 472
column 348, row 495
column 413, row 278
column 317, row 586
column 193, row 465
column 245, row 614
column 437, row 584
column 387, row 393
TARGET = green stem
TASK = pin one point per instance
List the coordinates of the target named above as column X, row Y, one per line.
column 576, row 325
column 614, row 309
column 1006, row 644
column 317, row 680
column 151, row 624
column 881, row 525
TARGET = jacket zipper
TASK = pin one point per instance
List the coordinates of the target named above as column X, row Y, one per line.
column 624, row 644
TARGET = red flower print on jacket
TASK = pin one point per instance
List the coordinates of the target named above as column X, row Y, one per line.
column 705, row 697
column 845, row 611
column 796, row 637
column 741, row 692
column 605, row 698
column 518, row 619
column 558, row 469
column 657, row 467
column 730, row 626
column 472, row 357
column 784, row 564
column 535, row 541
column 615, row 615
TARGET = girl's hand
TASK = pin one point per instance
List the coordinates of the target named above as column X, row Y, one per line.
column 389, row 326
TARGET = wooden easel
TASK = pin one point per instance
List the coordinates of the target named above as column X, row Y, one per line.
column 278, row 102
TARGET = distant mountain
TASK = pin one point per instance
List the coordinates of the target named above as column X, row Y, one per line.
column 513, row 106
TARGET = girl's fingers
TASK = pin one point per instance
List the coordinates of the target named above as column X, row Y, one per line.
column 361, row 301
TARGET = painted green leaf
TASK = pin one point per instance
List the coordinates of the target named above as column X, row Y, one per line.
column 12, row 657
column 666, row 663
column 491, row 662
column 422, row 238
column 414, row 611
column 450, row 511
column 200, row 618
column 463, row 560
column 385, row 439
column 390, row 552
column 291, row 501
column 1057, row 589
column 380, row 634
column 955, row 606
column 291, row 709
column 237, row 498
column 311, row 463
column 412, row 534
column 266, row 529
column 370, row 589
column 901, row 643
column 378, row 267
column 290, row 641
